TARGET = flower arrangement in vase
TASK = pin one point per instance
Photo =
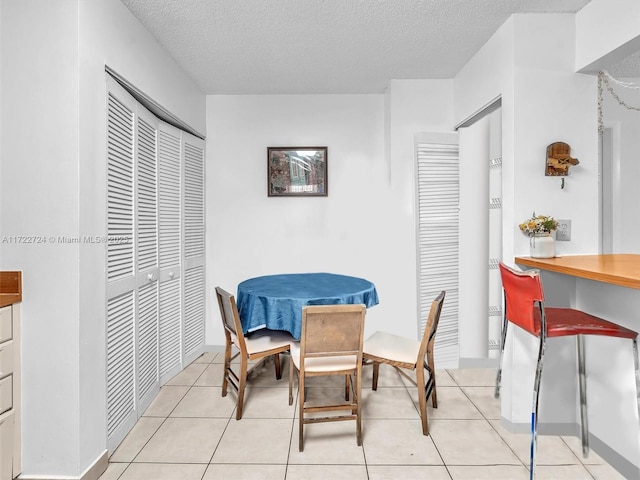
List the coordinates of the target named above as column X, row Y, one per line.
column 539, row 228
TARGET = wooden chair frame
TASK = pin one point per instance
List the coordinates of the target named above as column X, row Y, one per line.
column 259, row 346
column 375, row 352
column 331, row 344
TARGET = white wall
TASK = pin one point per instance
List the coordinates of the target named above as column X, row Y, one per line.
column 110, row 35
column 415, row 106
column 250, row 234
column 606, row 32
column 625, row 125
column 473, row 288
column 529, row 63
column 487, row 76
column 365, row 227
column 39, row 197
column 52, row 174
column 543, row 101
column 53, row 183
column 552, row 103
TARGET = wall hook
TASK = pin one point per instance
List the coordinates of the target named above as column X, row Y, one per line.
column 562, row 184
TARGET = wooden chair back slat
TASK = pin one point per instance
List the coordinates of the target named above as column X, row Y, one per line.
column 332, row 330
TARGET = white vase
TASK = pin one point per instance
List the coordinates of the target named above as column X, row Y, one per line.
column 542, row 245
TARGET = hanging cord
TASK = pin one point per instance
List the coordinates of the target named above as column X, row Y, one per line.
column 603, row 79
column 632, row 85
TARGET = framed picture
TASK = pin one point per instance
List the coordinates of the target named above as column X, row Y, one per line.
column 297, row 171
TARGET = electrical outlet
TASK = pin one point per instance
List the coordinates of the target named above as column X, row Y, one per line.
column 563, row 232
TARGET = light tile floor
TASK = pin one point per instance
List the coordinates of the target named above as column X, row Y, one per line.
column 189, row 432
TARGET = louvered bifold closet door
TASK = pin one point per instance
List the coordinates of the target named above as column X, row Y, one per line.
column 148, row 374
column 121, row 281
column 169, row 215
column 438, row 211
column 495, row 233
column 194, row 245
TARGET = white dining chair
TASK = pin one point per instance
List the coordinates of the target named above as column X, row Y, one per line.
column 331, row 344
column 259, row 345
column 407, row 354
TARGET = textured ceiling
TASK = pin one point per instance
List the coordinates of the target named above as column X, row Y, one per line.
column 628, row 67
column 325, row 46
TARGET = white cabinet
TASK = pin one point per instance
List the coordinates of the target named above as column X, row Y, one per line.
column 10, row 300
column 6, row 393
column 6, row 445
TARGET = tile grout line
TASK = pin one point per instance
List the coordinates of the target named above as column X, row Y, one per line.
column 408, row 389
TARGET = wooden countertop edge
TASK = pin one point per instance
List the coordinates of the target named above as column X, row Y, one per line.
column 614, row 279
column 7, row 299
column 10, row 287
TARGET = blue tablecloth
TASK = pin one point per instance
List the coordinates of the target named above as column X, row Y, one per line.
column 276, row 301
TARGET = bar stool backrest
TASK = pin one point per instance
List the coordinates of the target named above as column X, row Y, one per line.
column 522, row 290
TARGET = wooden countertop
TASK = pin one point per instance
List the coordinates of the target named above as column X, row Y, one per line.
column 616, row 269
column 10, row 288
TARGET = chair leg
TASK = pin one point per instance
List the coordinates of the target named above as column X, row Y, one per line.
column 241, row 386
column 422, row 399
column 347, row 387
column 358, row 397
column 374, row 382
column 637, row 369
column 432, row 374
column 582, row 378
column 534, row 413
column 290, row 381
column 276, row 360
column 227, row 365
column 300, row 411
column 499, row 374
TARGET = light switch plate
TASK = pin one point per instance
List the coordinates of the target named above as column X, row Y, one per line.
column 563, row 232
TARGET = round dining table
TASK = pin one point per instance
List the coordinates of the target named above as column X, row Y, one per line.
column 276, row 301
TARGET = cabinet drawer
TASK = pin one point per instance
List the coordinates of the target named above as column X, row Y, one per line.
column 6, row 446
column 6, row 359
column 5, row 324
column 6, row 393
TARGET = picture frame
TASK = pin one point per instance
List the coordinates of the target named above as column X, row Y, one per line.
column 297, row 172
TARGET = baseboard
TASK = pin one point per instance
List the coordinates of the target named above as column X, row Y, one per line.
column 214, row 348
column 613, row 458
column 98, row 467
column 567, row 429
column 93, row 472
column 478, row 363
column 626, row 468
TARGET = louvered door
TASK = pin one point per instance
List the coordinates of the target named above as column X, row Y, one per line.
column 438, row 207
column 169, row 220
column 194, row 244
column 146, row 245
column 121, row 280
column 155, row 257
column 132, row 262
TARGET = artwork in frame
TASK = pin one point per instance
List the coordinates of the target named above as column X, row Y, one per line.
column 297, row 171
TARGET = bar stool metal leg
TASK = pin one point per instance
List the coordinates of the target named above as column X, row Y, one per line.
column 582, row 380
column 534, row 413
column 499, row 374
column 637, row 365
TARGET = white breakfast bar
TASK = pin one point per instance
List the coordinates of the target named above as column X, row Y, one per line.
column 607, row 286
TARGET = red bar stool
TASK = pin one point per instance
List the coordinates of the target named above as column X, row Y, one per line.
column 524, row 307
